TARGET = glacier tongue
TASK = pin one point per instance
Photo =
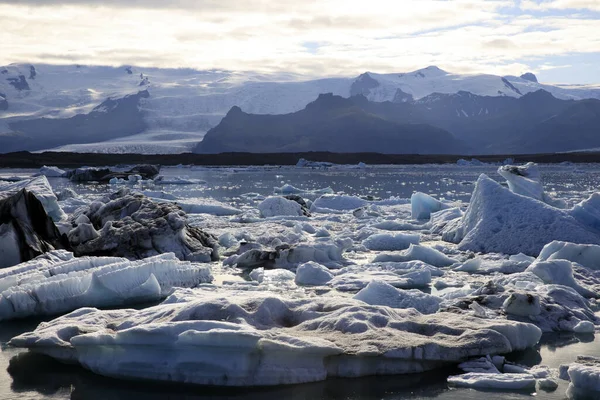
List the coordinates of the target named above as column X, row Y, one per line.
column 233, row 337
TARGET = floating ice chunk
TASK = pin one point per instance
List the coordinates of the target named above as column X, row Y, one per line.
column 289, row 189
column 303, row 163
column 588, row 212
column 522, row 304
column 396, row 226
column 227, row 240
column 53, row 172
column 523, row 180
column 383, row 294
column 584, row 327
column 585, row 381
column 206, row 206
column 337, row 203
column 94, row 281
column 327, row 254
column 426, row 254
column 257, row 275
column 584, row 254
column 559, row 272
column 423, row 205
column 216, row 335
column 42, row 190
column 439, row 220
column 352, row 280
column 82, row 233
column 311, row 273
column 483, row 364
column 159, row 194
column 386, row 241
column 498, row 220
column 279, row 206
column 478, row 380
column 177, row 180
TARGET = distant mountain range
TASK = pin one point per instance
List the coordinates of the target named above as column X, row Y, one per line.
column 458, row 123
column 128, row 109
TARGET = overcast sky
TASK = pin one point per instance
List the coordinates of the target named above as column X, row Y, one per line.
column 559, row 40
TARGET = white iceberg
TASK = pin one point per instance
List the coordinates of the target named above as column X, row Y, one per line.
column 57, row 287
column 423, row 205
column 230, row 337
column 383, row 294
column 426, row 254
column 498, row 220
column 53, row 172
column 277, row 206
column 482, row 380
column 311, row 273
column 387, row 241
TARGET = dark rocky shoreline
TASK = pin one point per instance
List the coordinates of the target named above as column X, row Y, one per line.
column 71, row 160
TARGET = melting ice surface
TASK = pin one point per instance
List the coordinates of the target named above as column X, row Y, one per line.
column 246, row 187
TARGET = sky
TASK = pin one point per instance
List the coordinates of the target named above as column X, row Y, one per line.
column 558, row 40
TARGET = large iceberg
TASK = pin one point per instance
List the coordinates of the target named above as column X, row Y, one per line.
column 236, row 337
column 52, row 285
column 498, row 220
column 133, row 226
column 26, row 231
column 42, row 190
column 525, row 180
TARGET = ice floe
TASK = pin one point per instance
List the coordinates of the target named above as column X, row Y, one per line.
column 217, row 336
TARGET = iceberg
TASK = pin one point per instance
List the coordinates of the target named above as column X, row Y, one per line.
column 482, row 380
column 131, row 225
column 423, row 205
column 53, row 172
column 387, row 241
column 41, row 189
column 47, row 287
column 225, row 336
column 498, row 220
column 525, row 180
column 277, row 206
column 384, row 294
column 426, row 254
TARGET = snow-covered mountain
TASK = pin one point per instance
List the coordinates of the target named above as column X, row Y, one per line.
column 183, row 103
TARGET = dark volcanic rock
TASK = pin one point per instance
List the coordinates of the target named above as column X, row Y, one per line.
column 128, row 224
column 19, row 83
column 26, row 231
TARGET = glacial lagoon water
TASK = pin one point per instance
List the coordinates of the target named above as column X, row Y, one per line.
column 28, row 376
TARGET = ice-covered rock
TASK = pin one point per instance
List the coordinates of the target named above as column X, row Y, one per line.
column 417, row 252
column 383, row 294
column 498, row 220
column 133, row 226
column 482, row 380
column 218, row 336
column 53, row 287
column 41, row 188
column 26, row 230
column 53, row 172
column 391, row 242
column 311, row 273
column 277, row 206
column 423, row 205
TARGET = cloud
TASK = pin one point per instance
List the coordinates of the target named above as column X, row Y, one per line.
column 327, row 37
column 561, row 5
